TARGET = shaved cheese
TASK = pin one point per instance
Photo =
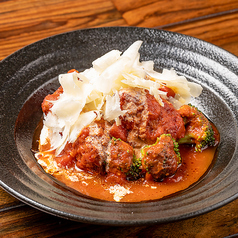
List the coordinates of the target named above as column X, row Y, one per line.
column 106, row 60
column 58, row 131
column 157, row 94
column 72, row 83
column 45, row 133
column 67, row 108
column 83, row 120
column 152, row 86
column 195, row 89
column 133, row 51
column 108, row 80
column 179, row 84
column 112, row 107
column 111, row 77
column 91, row 74
column 93, row 93
column 147, row 65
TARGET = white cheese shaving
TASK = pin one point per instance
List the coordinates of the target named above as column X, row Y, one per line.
column 83, row 120
column 93, row 93
column 45, row 133
column 184, row 90
column 106, row 60
column 112, row 107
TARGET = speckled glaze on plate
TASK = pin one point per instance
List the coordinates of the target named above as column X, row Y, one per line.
column 29, row 74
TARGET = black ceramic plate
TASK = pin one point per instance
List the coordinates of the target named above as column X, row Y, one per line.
column 28, row 75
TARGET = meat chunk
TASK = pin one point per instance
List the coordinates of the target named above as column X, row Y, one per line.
column 120, row 157
column 89, row 159
column 91, row 152
column 162, row 120
column 199, row 130
column 161, row 160
column 88, row 152
column 119, row 132
column 67, row 157
column 146, row 119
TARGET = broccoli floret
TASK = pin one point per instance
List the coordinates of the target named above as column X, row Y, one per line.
column 198, row 128
column 176, row 150
column 135, row 170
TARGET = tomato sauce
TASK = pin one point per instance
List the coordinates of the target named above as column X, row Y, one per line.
column 194, row 166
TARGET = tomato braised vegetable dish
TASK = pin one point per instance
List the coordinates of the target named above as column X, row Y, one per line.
column 120, row 131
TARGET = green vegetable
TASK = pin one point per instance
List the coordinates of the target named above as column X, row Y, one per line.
column 135, row 170
column 198, row 128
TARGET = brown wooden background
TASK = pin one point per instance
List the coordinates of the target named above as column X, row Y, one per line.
column 25, row 21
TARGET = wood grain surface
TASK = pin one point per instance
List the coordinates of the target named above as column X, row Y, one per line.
column 23, row 22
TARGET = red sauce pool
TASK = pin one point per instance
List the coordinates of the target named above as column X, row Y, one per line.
column 194, row 166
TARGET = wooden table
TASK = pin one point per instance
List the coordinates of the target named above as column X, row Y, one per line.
column 26, row 21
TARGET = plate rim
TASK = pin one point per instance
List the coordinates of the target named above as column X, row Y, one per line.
column 99, row 220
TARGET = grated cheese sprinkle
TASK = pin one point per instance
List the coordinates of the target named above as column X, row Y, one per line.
column 119, row 192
